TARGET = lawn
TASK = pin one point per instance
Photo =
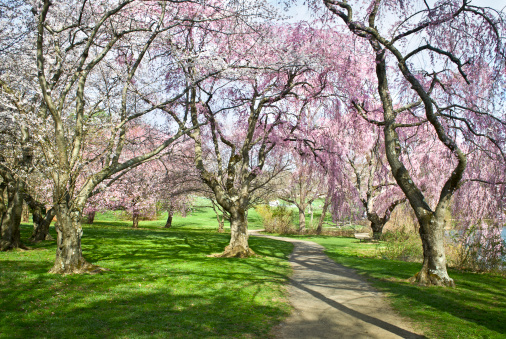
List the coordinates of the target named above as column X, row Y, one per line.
column 161, row 284
column 476, row 308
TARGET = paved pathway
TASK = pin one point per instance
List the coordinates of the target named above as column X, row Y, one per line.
column 331, row 301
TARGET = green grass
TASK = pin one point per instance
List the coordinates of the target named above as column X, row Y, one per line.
column 161, row 285
column 476, row 308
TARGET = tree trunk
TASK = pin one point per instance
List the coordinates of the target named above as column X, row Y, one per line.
column 41, row 222
column 221, row 220
column 324, row 213
column 3, row 208
column 311, row 215
column 377, row 230
column 221, row 223
column 90, row 217
column 69, row 257
column 302, row 220
column 11, row 237
column 238, row 246
column 26, row 213
column 377, row 224
column 433, row 270
column 168, row 224
column 135, row 220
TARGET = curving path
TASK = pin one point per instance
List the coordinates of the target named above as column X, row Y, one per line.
column 332, row 301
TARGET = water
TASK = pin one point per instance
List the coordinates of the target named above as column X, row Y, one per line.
column 503, row 233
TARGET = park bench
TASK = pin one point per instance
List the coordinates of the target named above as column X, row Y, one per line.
column 363, row 236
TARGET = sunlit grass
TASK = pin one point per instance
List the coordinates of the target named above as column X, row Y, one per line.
column 161, row 284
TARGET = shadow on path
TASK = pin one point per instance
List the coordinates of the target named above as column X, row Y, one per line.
column 332, row 301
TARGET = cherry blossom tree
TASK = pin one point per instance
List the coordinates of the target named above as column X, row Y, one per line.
column 369, row 171
column 454, row 89
column 305, row 183
column 92, row 67
column 264, row 74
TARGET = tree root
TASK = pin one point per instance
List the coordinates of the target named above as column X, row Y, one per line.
column 234, row 252
column 83, row 267
column 48, row 237
column 8, row 246
column 425, row 278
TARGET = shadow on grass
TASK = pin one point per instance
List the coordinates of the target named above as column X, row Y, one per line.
column 161, row 284
column 161, row 313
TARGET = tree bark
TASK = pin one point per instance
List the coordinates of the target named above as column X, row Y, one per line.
column 377, row 230
column 433, row 270
column 238, row 246
column 41, row 222
column 11, row 219
column 302, row 220
column 311, row 214
column 41, row 218
column 69, row 256
column 3, row 208
column 26, row 213
column 168, row 224
column 221, row 223
column 326, row 205
column 135, row 220
column 90, row 217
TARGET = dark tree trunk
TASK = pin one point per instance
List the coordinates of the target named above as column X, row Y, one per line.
column 377, row 230
column 11, row 237
column 69, row 256
column 168, row 224
column 431, row 222
column 90, row 217
column 135, row 220
column 377, row 224
column 3, row 208
column 41, row 222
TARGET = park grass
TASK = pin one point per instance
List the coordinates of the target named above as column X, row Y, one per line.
column 161, row 284
column 476, row 308
column 201, row 216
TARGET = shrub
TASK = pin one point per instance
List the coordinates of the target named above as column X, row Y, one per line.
column 401, row 244
column 478, row 248
column 276, row 219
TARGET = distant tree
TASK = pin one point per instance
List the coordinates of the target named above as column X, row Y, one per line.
column 305, row 183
